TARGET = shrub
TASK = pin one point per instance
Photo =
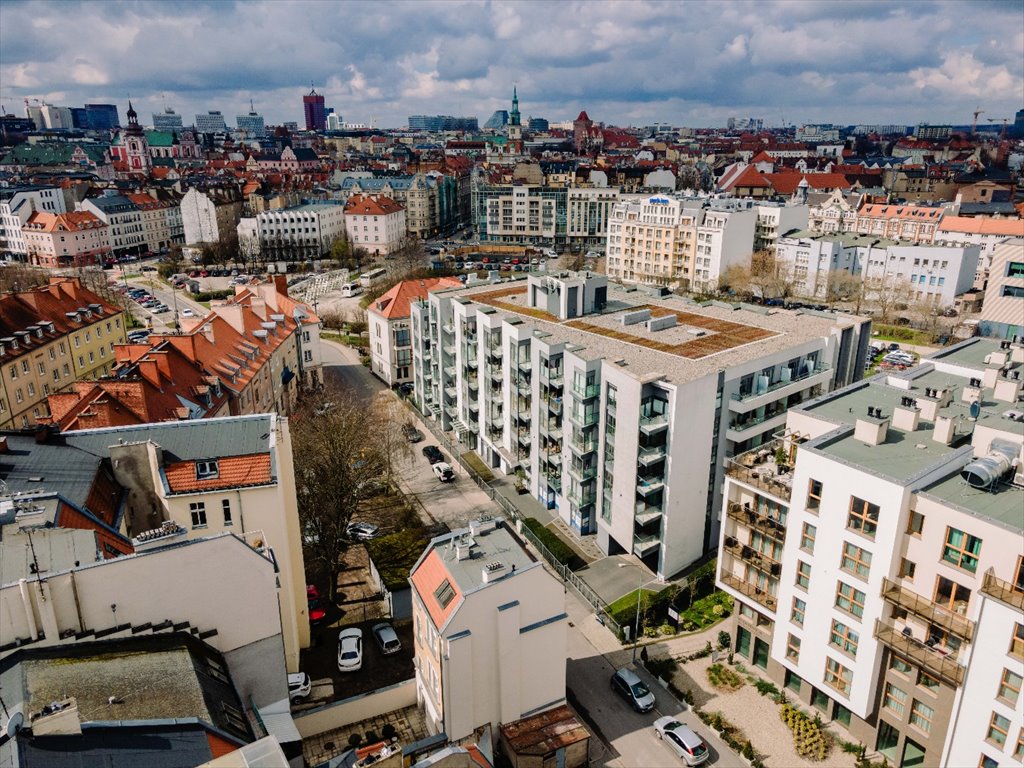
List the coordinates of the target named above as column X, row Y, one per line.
column 765, row 688
column 716, row 721
column 809, row 741
column 561, row 551
column 748, row 750
column 212, row 295
column 723, row 678
column 663, row 668
column 355, row 739
column 724, row 639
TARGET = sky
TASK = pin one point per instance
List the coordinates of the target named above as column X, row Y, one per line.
column 626, row 62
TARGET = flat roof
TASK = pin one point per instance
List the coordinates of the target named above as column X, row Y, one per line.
column 498, row 545
column 970, row 353
column 733, row 334
column 1004, row 504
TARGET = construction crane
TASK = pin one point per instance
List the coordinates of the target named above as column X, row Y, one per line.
column 1004, row 120
column 974, row 125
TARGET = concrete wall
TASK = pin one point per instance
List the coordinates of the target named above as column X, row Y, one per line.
column 356, row 708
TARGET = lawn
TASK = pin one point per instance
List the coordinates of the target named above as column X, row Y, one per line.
column 395, row 555
column 625, row 606
column 477, row 465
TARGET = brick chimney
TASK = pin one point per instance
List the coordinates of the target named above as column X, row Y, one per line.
column 281, row 283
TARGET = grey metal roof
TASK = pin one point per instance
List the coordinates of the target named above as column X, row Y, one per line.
column 31, row 466
column 154, row 746
column 182, row 440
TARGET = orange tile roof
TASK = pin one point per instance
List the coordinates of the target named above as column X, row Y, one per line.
column 232, row 472
column 395, row 303
column 428, row 576
column 375, row 205
column 749, row 177
column 983, row 226
column 891, row 211
column 73, row 221
column 786, row 182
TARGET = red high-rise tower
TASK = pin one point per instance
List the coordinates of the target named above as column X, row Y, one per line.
column 316, row 113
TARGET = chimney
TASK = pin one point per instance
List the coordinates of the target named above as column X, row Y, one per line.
column 871, row 429
column 1007, row 390
column 988, row 379
column 905, row 418
column 281, row 283
column 971, row 394
column 945, row 429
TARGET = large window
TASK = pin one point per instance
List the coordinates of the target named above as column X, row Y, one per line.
column 844, row 638
column 998, row 728
column 950, row 595
column 921, row 716
column 962, row 549
column 855, row 560
column 838, row 676
column 198, row 510
column 850, row 600
column 1015, row 269
column 814, row 488
column 1009, row 687
column 810, row 532
column 895, row 699
column 863, row 517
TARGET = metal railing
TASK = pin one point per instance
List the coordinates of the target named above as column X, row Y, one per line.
column 751, row 519
column 935, row 661
column 1002, row 590
column 819, row 368
column 748, row 589
column 926, row 609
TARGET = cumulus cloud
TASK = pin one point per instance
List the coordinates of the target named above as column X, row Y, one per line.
column 625, row 61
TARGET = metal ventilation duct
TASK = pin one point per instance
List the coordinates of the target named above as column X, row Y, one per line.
column 988, row 470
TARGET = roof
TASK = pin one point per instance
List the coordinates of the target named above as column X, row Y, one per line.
column 582, row 117
column 28, row 466
column 395, row 303
column 375, row 205
column 786, row 182
column 232, row 472
column 49, row 550
column 892, row 211
column 983, row 226
column 73, row 221
column 120, row 746
column 544, row 733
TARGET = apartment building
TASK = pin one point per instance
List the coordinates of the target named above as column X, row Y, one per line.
column 915, row 223
column 874, row 549
column 209, row 215
column 430, row 200
column 375, row 223
column 775, row 220
column 126, row 229
column 615, row 408
column 679, row 241
column 588, row 211
column 813, row 260
column 50, row 337
column 523, row 214
column 489, row 628
column 390, row 333
column 1002, row 314
column 17, row 204
column 979, row 230
column 299, row 232
column 833, row 212
column 57, row 241
column 156, row 221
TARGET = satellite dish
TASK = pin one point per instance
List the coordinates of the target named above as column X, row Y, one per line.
column 14, row 724
column 975, row 409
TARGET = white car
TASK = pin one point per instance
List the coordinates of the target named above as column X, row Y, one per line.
column 299, row 686
column 350, row 650
column 443, row 471
column 187, row 313
column 681, row 740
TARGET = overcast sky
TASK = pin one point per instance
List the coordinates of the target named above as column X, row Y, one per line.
column 628, row 62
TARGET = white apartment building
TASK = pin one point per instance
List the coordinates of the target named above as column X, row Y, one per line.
column 618, row 409
column 375, row 223
column 876, row 553
column 978, row 230
column 678, row 241
column 776, row 219
column 524, row 214
column 489, row 628
column 206, row 217
column 17, row 204
column 588, row 211
column 304, row 230
column 1002, row 314
column 124, row 220
column 813, row 260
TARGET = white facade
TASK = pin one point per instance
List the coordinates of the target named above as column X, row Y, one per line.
column 935, row 274
column 1002, row 314
column 199, row 218
column 16, row 205
column 308, row 228
column 625, row 441
column 521, row 214
column 774, row 220
column 588, row 211
column 380, row 232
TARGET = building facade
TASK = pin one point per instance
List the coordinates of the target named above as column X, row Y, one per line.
column 914, row 223
column 209, row 215
column 1002, row 314
column 57, row 241
column 374, row 223
column 126, row 230
column 314, row 111
column 620, row 420
column 300, row 232
column 489, row 627
column 882, row 585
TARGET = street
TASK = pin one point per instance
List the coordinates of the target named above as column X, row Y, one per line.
column 344, row 372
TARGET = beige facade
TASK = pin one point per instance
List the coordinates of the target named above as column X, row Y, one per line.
column 1002, row 314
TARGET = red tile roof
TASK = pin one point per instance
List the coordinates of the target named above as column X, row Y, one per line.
column 785, row 183
column 426, row 579
column 371, row 205
column 232, row 472
column 983, row 226
column 890, row 211
column 73, row 221
column 395, row 303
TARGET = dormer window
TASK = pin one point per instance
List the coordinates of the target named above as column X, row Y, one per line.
column 207, row 470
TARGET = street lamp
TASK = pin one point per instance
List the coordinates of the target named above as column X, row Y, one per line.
column 639, row 596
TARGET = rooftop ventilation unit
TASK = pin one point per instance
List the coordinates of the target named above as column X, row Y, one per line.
column 987, row 471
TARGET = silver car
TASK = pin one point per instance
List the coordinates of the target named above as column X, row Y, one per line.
column 681, row 740
column 629, row 686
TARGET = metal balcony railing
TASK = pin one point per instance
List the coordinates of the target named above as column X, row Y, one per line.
column 925, row 609
column 995, row 587
column 749, row 555
column 750, row 590
column 762, row 523
column 933, row 660
column 819, row 368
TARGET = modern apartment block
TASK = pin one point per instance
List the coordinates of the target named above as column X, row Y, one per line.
column 1002, row 314
column 687, row 242
column 875, row 553
column 617, row 408
column 489, row 627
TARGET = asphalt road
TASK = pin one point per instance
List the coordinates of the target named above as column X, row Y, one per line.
column 344, row 372
column 172, row 298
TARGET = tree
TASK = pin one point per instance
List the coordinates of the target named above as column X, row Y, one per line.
column 339, row 460
column 887, row 294
column 844, row 286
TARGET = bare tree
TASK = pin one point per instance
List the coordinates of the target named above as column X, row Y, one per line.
column 844, row 286
column 887, row 294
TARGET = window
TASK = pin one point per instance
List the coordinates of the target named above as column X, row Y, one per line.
column 998, row 728
column 844, row 638
column 863, row 517
column 837, row 676
column 907, row 569
column 444, row 594
column 803, row 574
column 850, row 600
column 950, row 595
column 206, row 470
column 962, row 550
column 928, row 682
column 226, row 506
column 1017, row 641
column 24, row 366
column 895, row 699
column 814, row 495
column 793, row 681
column 819, row 699
column 807, row 539
column 915, row 524
column 793, row 648
column 987, row 762
column 1009, row 687
column 198, row 510
column 799, row 607
column 855, row 560
column 1018, row 751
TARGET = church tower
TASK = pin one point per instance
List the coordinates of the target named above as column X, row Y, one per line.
column 515, row 128
column 136, row 147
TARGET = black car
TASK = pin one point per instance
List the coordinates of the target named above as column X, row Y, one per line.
column 433, row 454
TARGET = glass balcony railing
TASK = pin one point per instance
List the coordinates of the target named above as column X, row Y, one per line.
column 653, row 421
column 819, row 368
column 925, row 609
column 1005, row 591
column 644, row 543
column 582, row 472
column 586, row 391
column 583, row 445
column 651, row 454
column 762, row 596
column 647, row 485
column 934, row 660
column 585, row 418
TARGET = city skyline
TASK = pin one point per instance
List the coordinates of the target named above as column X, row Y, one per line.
column 379, row 63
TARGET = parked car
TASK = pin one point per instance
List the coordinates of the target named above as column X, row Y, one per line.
column 350, row 649
column 433, row 454
column 148, row 268
column 443, row 471
column 681, row 740
column 299, row 686
column 412, row 434
column 186, row 312
column 362, row 531
column 630, row 687
column 386, row 638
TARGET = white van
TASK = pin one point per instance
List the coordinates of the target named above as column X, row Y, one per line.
column 348, row 290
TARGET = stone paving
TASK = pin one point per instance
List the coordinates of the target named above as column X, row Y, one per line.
column 408, row 723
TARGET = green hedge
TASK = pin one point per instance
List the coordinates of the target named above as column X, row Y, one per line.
column 562, row 552
column 212, row 295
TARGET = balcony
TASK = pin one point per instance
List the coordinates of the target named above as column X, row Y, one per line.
column 494, row 350
column 448, row 349
column 643, row 544
column 584, row 419
column 580, row 497
column 651, row 454
column 524, row 365
column 925, row 609
column 581, row 445
column 762, row 523
column 751, row 399
column 749, row 590
column 648, row 485
column 646, row 513
column 555, row 405
column 582, row 472
column 654, row 422
column 586, row 391
column 1002, row 590
column 765, row 475
column 523, row 386
column 752, row 556
column 739, row 427
column 552, row 376
column 936, row 661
